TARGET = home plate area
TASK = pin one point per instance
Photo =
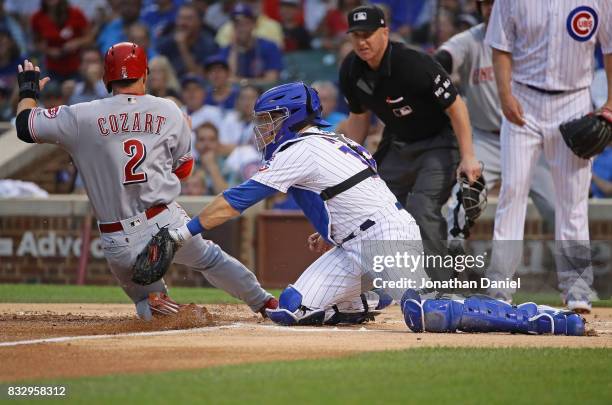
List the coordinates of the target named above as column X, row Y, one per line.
column 75, row 340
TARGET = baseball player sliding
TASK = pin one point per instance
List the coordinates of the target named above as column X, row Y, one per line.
column 334, row 181
column 132, row 150
column 543, row 61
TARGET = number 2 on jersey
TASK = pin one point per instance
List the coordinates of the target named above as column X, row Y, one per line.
column 137, row 151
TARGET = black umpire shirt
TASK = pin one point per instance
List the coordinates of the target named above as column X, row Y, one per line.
column 409, row 92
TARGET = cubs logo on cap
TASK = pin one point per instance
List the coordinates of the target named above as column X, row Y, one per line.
column 366, row 18
column 582, row 23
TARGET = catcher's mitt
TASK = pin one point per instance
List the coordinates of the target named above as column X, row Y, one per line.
column 155, row 259
column 588, row 136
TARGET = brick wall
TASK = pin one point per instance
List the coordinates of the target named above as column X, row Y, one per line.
column 47, row 250
column 43, row 172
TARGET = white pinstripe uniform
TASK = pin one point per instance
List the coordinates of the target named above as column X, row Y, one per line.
column 552, row 44
column 473, row 62
column 312, row 164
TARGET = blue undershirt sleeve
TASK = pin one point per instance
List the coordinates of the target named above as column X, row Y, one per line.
column 247, row 194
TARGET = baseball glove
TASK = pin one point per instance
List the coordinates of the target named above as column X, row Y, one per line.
column 155, row 259
column 588, row 136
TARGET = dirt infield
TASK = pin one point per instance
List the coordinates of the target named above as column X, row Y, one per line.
column 99, row 339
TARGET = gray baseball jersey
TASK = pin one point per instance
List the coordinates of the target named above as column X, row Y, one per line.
column 125, row 147
column 472, row 59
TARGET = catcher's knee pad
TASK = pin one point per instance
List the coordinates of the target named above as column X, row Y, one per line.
column 411, row 307
column 439, row 315
column 291, row 312
column 556, row 321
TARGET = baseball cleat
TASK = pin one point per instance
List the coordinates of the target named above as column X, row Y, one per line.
column 579, row 306
column 271, row 303
column 161, row 304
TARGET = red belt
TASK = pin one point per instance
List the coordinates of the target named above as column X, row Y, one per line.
column 116, row 226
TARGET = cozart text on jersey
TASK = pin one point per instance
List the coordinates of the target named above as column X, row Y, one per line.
column 131, row 122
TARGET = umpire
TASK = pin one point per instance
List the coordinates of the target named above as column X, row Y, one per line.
column 411, row 93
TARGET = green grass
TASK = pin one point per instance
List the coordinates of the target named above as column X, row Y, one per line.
column 552, row 298
column 417, row 376
column 52, row 293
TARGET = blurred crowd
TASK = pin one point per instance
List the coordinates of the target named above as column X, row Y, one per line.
column 213, row 58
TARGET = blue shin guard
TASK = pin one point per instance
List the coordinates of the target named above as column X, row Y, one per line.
column 484, row 314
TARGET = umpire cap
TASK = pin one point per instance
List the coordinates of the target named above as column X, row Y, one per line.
column 366, row 18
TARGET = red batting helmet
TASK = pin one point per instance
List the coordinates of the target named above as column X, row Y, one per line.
column 124, row 60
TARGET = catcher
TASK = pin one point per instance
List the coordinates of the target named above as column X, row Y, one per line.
column 132, row 150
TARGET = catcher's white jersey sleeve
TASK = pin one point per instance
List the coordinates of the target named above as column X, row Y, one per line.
column 125, row 147
column 549, row 52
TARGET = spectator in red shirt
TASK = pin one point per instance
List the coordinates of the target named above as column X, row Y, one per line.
column 335, row 25
column 60, row 32
column 296, row 36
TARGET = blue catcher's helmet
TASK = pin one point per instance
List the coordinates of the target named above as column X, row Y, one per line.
column 281, row 112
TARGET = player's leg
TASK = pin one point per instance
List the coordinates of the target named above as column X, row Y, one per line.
column 332, row 279
column 520, row 150
column 434, row 178
column 395, row 235
column 486, row 149
column 120, row 250
column 219, row 268
column 392, row 169
column 542, row 192
column 337, row 288
column 572, row 177
column 223, row 271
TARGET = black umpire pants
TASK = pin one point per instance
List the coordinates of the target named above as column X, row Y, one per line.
column 421, row 174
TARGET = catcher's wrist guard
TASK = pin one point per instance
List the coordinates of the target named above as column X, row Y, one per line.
column 28, row 84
